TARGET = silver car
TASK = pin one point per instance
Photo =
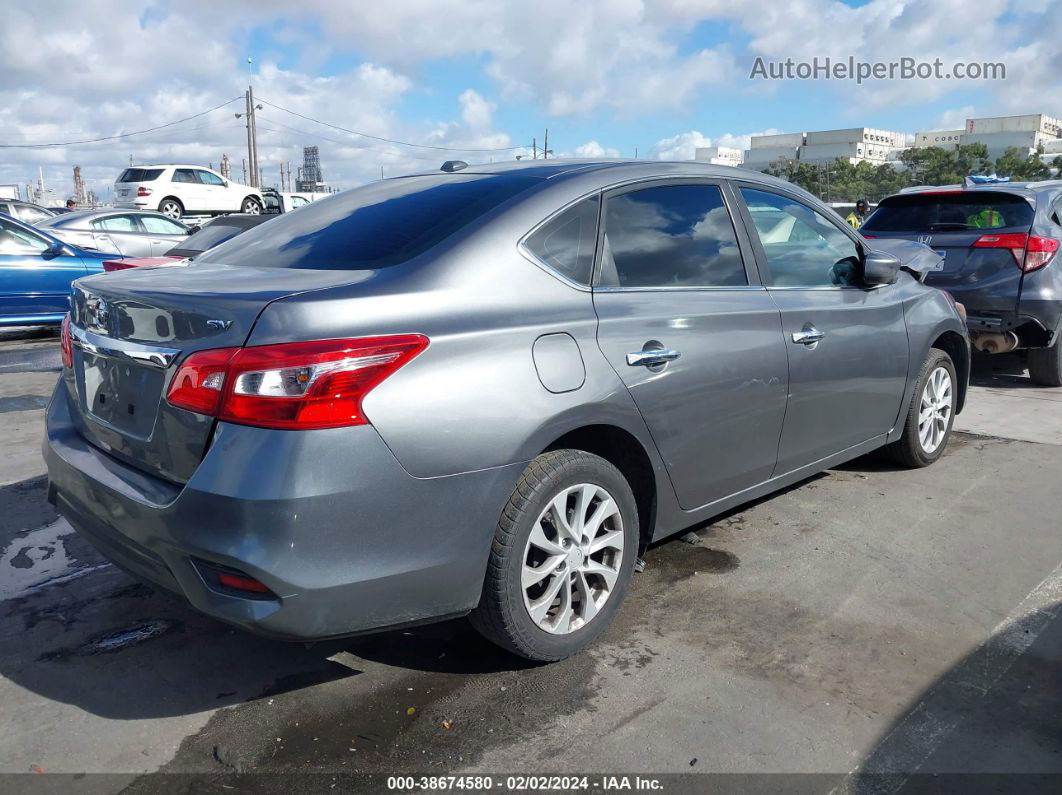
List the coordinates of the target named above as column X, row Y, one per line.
column 131, row 233
column 484, row 391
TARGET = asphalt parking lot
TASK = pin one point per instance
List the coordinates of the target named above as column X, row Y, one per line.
column 868, row 621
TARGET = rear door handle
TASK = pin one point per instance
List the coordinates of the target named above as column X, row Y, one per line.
column 809, row 335
column 651, row 358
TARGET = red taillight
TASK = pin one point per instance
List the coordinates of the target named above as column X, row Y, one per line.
column 65, row 342
column 1030, row 252
column 198, row 384
column 142, row 191
column 297, row 385
column 870, row 237
column 115, row 265
column 242, row 583
column 1039, row 252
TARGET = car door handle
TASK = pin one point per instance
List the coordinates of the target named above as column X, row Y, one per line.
column 651, row 358
column 809, row 335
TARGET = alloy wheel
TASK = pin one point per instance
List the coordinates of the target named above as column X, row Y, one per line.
column 572, row 558
column 171, row 209
column 934, row 412
column 250, row 207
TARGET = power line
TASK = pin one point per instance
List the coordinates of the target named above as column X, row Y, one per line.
column 120, row 135
column 387, row 140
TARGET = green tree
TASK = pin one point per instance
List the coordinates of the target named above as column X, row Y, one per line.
column 1019, row 165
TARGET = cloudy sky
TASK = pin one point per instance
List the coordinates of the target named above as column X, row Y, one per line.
column 607, row 77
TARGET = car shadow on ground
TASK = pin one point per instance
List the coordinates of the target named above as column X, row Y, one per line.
column 1000, row 371
column 989, row 724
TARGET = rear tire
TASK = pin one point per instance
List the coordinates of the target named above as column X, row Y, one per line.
column 553, row 586
column 251, row 206
column 927, row 428
column 1045, row 365
column 172, row 208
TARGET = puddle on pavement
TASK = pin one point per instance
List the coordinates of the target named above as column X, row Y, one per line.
column 38, row 559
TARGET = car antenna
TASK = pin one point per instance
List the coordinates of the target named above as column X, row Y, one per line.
column 454, row 165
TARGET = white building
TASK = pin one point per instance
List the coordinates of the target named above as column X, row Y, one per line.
column 856, row 145
column 943, row 139
column 1000, row 133
column 719, row 155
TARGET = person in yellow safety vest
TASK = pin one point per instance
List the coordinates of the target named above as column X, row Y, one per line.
column 858, row 215
column 987, row 218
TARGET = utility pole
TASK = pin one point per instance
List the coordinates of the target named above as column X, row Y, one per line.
column 289, row 175
column 243, row 165
column 252, row 137
column 545, row 145
column 534, row 149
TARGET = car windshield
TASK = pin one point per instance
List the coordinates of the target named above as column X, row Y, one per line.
column 206, row 238
column 943, row 212
column 375, row 226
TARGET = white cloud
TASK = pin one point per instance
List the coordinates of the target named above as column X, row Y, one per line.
column 684, row 145
column 592, row 149
column 475, row 110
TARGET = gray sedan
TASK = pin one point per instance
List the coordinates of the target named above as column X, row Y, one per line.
column 131, row 233
column 484, row 391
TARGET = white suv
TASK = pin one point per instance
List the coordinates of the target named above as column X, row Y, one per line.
column 178, row 189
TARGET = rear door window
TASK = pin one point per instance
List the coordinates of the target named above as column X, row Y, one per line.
column 566, row 242
column 117, row 223
column 185, row 175
column 670, row 236
column 950, row 212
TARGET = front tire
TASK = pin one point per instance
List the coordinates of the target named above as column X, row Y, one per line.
column 930, row 416
column 562, row 557
column 1045, row 365
column 251, row 206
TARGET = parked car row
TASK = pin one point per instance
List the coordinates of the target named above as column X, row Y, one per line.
column 484, row 391
column 39, row 263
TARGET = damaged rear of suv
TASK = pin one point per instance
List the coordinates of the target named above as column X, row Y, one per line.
column 1000, row 259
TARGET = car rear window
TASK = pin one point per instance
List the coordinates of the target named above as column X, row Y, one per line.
column 206, row 238
column 942, row 212
column 376, row 226
column 140, row 174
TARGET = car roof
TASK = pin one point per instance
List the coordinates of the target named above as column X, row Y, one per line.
column 172, row 165
column 1028, row 189
column 72, row 217
column 614, row 171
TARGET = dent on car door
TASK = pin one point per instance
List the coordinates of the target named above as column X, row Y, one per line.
column 847, row 343
column 695, row 340
column 33, row 282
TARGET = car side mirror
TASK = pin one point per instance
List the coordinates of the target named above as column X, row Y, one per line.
column 880, row 268
column 56, row 249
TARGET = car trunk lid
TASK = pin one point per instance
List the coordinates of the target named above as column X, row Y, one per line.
column 132, row 328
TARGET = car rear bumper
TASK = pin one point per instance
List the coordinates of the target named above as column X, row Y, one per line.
column 343, row 536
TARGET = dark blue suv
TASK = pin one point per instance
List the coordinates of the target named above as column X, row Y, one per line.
column 1000, row 245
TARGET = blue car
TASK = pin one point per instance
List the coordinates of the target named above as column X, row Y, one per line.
column 36, row 270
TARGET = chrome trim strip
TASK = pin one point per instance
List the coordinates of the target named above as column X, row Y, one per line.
column 122, row 349
column 683, row 289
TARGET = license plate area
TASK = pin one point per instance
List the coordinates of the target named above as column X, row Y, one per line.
column 120, row 394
